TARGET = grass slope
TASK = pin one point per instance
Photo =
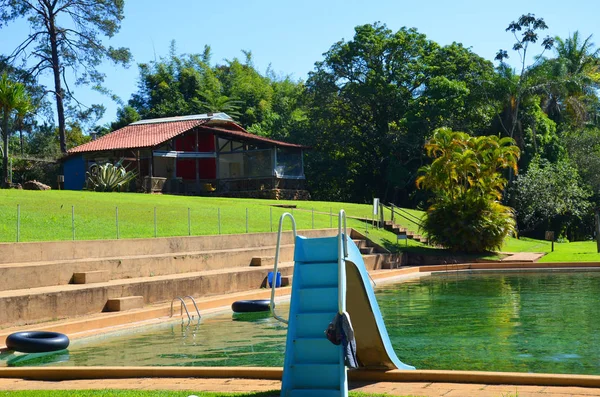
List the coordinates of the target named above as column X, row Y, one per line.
column 47, row 215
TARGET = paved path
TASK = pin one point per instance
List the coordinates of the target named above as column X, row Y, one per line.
column 197, row 385
column 522, row 256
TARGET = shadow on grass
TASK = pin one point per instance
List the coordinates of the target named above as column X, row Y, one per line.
column 443, row 254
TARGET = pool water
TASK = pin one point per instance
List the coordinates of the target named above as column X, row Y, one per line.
column 252, row 339
column 526, row 322
column 541, row 322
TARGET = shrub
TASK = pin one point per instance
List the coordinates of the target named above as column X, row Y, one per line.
column 465, row 214
column 108, row 177
column 476, row 226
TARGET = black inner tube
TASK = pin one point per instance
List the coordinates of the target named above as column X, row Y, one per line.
column 37, row 341
column 247, row 306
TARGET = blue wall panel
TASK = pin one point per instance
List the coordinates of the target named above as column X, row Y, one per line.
column 74, row 169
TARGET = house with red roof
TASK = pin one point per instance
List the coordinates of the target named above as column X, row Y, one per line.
column 197, row 154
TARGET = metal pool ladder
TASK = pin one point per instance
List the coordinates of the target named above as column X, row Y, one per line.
column 183, row 306
column 273, row 284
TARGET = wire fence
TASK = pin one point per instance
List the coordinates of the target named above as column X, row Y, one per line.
column 26, row 223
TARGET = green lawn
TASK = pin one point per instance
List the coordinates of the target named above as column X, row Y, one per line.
column 579, row 251
column 145, row 393
column 47, row 215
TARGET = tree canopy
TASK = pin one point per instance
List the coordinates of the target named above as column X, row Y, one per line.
column 369, row 110
column 66, row 34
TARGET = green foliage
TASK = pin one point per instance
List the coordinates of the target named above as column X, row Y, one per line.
column 373, row 101
column 14, row 102
column 583, row 147
column 188, row 84
column 125, row 116
column 44, row 171
column 469, row 225
column 464, row 177
column 550, row 196
column 108, row 177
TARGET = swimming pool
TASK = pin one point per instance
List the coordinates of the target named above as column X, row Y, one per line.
column 524, row 322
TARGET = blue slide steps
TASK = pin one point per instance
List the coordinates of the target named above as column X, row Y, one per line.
column 314, row 366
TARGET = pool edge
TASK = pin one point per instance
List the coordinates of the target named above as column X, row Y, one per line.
column 275, row 373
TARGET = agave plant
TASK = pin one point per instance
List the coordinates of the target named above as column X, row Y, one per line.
column 108, row 177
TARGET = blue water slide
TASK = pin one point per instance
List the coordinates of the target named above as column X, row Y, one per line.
column 314, row 366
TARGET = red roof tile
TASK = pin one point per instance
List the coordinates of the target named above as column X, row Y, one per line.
column 153, row 134
column 138, row 136
column 249, row 136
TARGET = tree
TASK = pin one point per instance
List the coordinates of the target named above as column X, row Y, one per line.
column 525, row 31
column 575, row 76
column 464, row 176
column 13, row 100
column 373, row 102
column 65, row 35
column 551, row 196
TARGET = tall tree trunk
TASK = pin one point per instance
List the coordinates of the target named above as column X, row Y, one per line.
column 58, row 91
column 5, row 181
column 21, row 139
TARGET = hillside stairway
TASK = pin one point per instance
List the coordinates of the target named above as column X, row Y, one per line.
column 55, row 280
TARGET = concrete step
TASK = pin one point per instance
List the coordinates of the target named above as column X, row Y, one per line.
column 376, row 261
column 96, row 276
column 367, row 250
column 71, row 250
column 61, row 272
column 263, row 261
column 33, row 305
column 360, row 242
column 124, row 303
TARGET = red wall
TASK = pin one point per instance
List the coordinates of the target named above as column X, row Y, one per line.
column 186, row 168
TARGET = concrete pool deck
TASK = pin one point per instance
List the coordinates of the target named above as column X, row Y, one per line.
column 197, row 385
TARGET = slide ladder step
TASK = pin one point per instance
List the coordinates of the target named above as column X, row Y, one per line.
column 316, row 376
column 318, row 274
column 318, row 299
column 316, row 351
column 313, row 324
column 314, row 393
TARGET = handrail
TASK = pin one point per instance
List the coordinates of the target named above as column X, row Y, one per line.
column 195, row 305
column 342, row 254
column 415, row 220
column 274, row 282
column 180, row 309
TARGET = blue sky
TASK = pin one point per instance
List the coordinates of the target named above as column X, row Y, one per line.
column 292, row 35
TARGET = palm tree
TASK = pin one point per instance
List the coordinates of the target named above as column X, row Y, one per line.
column 23, row 109
column 575, row 74
column 13, row 99
column 465, row 178
column 213, row 102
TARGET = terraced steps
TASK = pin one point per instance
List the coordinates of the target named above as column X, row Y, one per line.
column 46, row 303
column 40, row 282
column 61, row 272
column 402, row 231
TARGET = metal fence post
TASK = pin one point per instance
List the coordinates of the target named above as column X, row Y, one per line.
column 219, row 218
column 18, row 222
column 117, row 220
column 155, row 231
column 246, row 220
column 73, row 221
column 189, row 222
